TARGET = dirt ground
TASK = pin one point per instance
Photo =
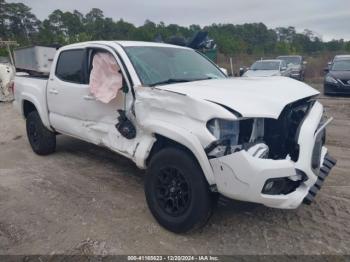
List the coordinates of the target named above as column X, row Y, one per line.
column 87, row 200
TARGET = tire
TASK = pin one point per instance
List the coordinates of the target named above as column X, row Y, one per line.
column 182, row 205
column 42, row 140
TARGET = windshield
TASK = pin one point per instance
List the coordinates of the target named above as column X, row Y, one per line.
column 266, row 65
column 165, row 65
column 291, row 59
column 341, row 65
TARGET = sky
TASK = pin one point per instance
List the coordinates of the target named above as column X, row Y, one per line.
column 328, row 18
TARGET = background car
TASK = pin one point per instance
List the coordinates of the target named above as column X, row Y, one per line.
column 337, row 78
column 297, row 65
column 272, row 67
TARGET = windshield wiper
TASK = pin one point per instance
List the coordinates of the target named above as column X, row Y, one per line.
column 178, row 80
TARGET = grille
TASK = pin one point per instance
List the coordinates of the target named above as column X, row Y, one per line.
column 345, row 81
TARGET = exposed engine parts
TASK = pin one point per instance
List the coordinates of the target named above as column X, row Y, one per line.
column 261, row 137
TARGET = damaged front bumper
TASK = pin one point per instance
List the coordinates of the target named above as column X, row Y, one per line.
column 245, row 177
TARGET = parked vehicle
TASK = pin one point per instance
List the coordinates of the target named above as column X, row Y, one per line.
column 7, row 73
column 297, row 65
column 336, row 57
column 337, row 78
column 197, row 132
column 273, row 67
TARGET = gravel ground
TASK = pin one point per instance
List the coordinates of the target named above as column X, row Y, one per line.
column 87, row 200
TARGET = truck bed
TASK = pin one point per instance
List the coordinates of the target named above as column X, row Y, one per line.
column 31, row 89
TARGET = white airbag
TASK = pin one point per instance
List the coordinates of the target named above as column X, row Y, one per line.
column 105, row 78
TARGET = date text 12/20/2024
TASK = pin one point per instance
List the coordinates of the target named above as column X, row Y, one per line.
column 173, row 258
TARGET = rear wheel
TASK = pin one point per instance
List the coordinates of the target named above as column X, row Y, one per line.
column 42, row 140
column 177, row 192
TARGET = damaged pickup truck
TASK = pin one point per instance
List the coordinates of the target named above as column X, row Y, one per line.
column 175, row 113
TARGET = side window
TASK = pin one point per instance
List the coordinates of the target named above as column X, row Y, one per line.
column 91, row 55
column 70, row 66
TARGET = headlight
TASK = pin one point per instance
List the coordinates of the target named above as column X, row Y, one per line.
column 226, row 132
column 224, row 129
column 331, row 79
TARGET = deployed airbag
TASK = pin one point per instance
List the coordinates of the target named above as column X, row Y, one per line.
column 105, row 78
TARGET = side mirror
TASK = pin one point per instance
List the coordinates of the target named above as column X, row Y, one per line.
column 326, row 70
column 224, row 70
column 329, row 64
column 283, row 68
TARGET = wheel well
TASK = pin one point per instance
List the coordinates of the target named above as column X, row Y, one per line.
column 164, row 142
column 28, row 107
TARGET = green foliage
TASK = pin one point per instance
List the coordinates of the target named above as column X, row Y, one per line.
column 18, row 23
column 3, row 52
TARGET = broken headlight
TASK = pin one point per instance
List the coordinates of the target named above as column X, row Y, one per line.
column 226, row 132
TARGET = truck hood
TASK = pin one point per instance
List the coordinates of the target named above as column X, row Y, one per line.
column 340, row 74
column 251, row 97
column 294, row 67
column 253, row 73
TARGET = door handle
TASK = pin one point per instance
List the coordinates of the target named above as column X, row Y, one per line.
column 88, row 97
column 53, row 91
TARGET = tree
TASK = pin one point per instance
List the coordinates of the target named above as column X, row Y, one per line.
column 94, row 24
column 17, row 22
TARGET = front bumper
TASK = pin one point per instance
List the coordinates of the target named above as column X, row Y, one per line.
column 332, row 88
column 242, row 176
column 295, row 75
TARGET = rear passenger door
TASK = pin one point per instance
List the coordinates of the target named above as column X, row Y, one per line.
column 67, row 91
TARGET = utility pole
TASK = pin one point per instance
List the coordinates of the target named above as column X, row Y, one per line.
column 8, row 45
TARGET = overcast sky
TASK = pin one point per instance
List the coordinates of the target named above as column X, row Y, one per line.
column 328, row 18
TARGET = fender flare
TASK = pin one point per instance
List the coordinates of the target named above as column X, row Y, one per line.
column 181, row 136
column 41, row 111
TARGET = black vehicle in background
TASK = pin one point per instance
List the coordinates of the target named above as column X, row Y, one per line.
column 297, row 65
column 337, row 78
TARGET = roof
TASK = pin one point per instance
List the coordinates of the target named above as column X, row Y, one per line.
column 143, row 43
column 126, row 44
column 341, row 57
column 270, row 60
column 299, row 56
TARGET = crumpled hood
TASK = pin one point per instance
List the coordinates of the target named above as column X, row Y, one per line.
column 258, row 73
column 251, row 97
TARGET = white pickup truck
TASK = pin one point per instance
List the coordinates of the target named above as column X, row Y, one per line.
column 198, row 133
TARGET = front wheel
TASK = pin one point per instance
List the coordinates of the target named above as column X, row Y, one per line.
column 176, row 191
column 42, row 140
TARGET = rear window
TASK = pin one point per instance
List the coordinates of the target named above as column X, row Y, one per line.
column 70, row 66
